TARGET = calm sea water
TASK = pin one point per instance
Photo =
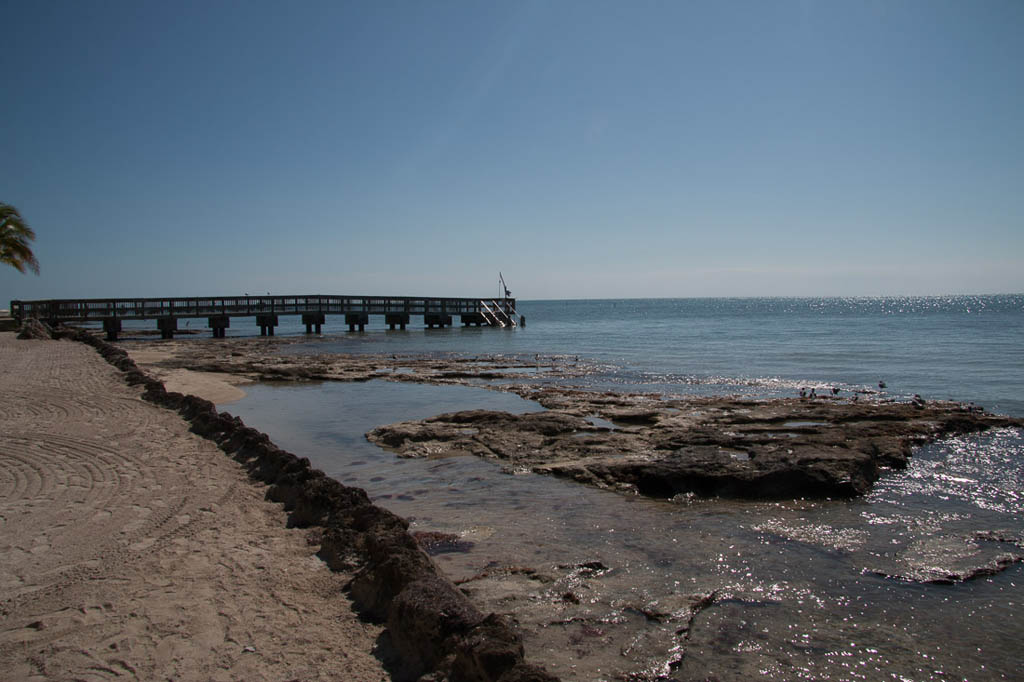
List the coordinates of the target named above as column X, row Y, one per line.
column 804, row 590
column 963, row 347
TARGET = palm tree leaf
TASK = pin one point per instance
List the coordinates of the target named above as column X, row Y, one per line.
column 15, row 236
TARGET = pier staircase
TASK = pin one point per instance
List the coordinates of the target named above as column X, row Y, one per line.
column 497, row 314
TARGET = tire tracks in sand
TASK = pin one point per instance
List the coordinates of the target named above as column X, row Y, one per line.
column 132, row 548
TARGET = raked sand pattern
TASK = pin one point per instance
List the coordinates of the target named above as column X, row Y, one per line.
column 131, row 548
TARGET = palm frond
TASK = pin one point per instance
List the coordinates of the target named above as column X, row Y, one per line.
column 15, row 238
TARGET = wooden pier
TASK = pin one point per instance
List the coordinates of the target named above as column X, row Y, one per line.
column 218, row 311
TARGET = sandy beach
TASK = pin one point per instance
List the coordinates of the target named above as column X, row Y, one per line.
column 130, row 547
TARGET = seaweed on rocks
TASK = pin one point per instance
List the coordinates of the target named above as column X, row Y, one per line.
column 436, row 630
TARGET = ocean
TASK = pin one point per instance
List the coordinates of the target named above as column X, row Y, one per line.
column 805, row 589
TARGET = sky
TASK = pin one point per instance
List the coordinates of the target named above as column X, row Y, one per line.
column 583, row 149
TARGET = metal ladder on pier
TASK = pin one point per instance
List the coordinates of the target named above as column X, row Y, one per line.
column 497, row 316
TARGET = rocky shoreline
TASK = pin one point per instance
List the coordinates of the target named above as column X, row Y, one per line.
column 813, row 447
column 842, row 444
column 281, row 359
column 652, row 445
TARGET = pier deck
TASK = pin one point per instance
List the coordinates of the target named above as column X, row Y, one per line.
column 314, row 309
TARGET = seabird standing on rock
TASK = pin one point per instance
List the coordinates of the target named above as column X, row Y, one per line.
column 881, row 384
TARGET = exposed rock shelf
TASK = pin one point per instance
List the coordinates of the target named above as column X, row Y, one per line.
column 729, row 447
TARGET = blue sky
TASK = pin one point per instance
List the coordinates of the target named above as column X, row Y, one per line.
column 585, row 149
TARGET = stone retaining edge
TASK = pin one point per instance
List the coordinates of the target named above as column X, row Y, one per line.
column 435, row 629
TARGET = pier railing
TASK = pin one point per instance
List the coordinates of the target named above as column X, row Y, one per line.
column 85, row 310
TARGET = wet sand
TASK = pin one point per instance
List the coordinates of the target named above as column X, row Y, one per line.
column 217, row 387
column 132, row 547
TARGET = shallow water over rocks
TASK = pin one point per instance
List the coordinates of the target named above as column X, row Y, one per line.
column 896, row 584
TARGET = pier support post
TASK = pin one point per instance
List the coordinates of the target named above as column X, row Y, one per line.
column 439, row 319
column 267, row 322
column 401, row 319
column 354, row 320
column 472, row 318
column 313, row 319
column 219, row 325
column 111, row 325
column 167, row 327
